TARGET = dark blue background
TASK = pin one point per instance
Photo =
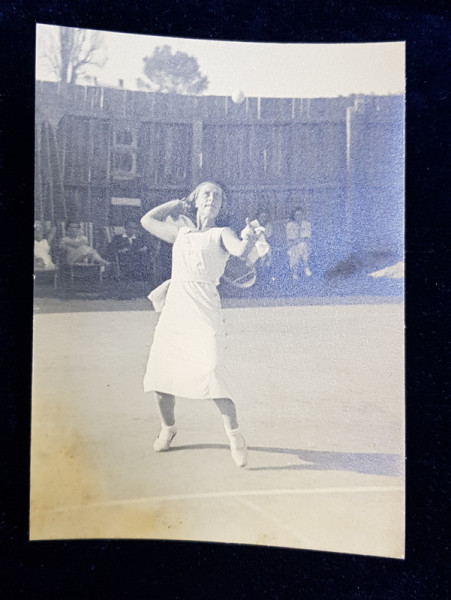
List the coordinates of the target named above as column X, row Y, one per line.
column 171, row 570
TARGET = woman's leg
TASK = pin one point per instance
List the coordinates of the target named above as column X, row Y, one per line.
column 294, row 260
column 227, row 409
column 166, row 406
column 97, row 258
column 238, row 448
column 305, row 255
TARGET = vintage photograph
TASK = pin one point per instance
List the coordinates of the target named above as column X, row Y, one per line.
column 218, row 332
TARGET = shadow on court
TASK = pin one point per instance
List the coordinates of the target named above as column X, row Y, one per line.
column 389, row 465
column 337, row 375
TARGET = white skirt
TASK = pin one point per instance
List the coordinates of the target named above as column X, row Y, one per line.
column 187, row 356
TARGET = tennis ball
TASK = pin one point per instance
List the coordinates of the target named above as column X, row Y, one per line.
column 238, row 96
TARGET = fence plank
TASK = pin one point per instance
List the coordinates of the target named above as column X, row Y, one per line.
column 276, row 109
column 114, row 102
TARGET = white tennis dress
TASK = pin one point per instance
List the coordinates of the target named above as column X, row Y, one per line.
column 187, row 354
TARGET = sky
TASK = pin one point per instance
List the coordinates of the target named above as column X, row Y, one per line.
column 258, row 69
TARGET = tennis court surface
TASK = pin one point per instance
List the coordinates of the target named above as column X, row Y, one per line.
column 320, row 397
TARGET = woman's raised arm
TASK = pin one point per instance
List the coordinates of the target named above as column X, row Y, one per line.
column 153, row 221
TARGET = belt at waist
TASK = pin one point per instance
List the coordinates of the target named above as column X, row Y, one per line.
column 193, row 280
column 158, row 295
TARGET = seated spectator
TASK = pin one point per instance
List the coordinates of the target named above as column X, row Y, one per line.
column 76, row 248
column 264, row 219
column 298, row 232
column 42, row 247
column 131, row 251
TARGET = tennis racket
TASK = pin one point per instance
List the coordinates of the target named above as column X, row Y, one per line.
column 239, row 273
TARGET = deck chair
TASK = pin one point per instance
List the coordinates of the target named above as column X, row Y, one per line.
column 44, row 277
column 79, row 278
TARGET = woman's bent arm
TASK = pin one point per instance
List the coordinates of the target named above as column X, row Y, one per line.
column 153, row 221
column 235, row 246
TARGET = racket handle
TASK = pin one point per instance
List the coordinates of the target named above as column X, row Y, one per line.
column 257, row 227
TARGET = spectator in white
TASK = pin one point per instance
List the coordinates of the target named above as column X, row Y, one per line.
column 299, row 233
column 43, row 237
column 76, row 248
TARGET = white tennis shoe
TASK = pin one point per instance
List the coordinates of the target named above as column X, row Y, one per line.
column 163, row 441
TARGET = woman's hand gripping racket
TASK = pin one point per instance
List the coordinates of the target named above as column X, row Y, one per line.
column 241, row 272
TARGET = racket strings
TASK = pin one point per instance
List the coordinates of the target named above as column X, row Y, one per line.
column 239, row 273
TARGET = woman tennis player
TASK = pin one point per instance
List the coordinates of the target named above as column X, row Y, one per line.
column 187, row 355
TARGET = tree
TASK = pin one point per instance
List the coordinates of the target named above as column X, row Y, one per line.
column 74, row 54
column 172, row 73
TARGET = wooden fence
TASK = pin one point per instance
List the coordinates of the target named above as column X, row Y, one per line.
column 101, row 153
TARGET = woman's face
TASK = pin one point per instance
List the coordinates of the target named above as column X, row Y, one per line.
column 209, row 200
column 263, row 217
column 298, row 216
column 38, row 233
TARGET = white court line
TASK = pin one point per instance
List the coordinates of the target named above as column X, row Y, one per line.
column 236, row 494
column 271, row 518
